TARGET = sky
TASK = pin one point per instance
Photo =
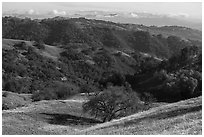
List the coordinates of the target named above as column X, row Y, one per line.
column 187, row 9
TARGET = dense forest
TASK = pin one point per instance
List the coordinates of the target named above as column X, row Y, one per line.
column 49, row 57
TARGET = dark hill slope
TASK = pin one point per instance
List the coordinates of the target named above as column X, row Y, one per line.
column 29, row 66
column 81, row 51
column 97, row 33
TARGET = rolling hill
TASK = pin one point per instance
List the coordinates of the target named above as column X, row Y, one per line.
column 48, row 63
column 76, row 51
column 44, row 117
column 97, row 33
column 166, row 117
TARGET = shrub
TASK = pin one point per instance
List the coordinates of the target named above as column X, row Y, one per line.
column 17, row 84
column 112, row 103
column 148, row 98
column 187, row 86
column 113, row 77
column 46, row 94
column 63, row 92
column 182, row 84
column 103, row 59
column 39, row 45
column 4, row 106
column 71, row 54
column 13, row 85
column 13, row 100
column 21, row 46
column 4, row 94
column 189, row 82
column 58, row 90
column 86, row 88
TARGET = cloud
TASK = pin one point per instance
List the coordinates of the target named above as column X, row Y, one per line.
column 31, row 11
column 56, row 12
column 179, row 15
column 134, row 15
column 111, row 15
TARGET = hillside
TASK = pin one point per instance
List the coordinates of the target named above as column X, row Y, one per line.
column 97, row 33
column 84, row 76
column 167, row 118
column 38, row 54
column 33, row 62
column 66, row 117
column 179, row 31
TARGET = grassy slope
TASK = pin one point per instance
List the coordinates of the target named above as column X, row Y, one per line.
column 187, row 124
column 52, row 52
column 66, row 117
column 46, row 117
column 49, row 51
column 8, row 43
column 184, row 117
column 12, row 100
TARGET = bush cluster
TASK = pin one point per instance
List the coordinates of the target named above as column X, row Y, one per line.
column 58, row 90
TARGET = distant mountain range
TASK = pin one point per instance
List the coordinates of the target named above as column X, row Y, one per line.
column 121, row 17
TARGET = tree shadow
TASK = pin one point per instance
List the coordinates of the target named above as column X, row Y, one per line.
column 67, row 119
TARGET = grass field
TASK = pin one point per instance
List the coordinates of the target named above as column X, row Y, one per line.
column 66, row 117
column 184, row 117
column 51, row 52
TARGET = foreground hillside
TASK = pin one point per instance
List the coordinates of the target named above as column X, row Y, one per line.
column 66, row 117
column 183, row 117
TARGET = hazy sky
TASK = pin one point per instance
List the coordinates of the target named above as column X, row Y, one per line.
column 188, row 9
